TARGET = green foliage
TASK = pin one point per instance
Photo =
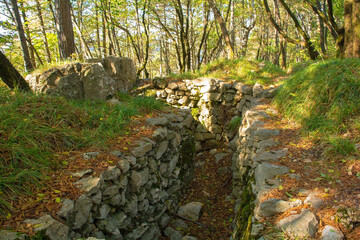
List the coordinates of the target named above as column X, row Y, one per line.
column 240, row 70
column 33, row 128
column 343, row 146
column 235, row 123
column 324, row 98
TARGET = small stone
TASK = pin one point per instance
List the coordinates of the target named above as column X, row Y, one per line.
column 191, row 210
column 157, row 121
column 54, row 230
column 124, row 166
column 89, row 185
column 307, row 160
column 111, row 173
column 141, row 150
column 90, row 155
column 188, row 238
column 274, row 206
column 82, row 173
column 294, row 176
column 300, row 225
column 257, row 229
column 82, row 210
column 116, row 153
column 179, row 224
column 331, row 233
column 172, row 234
column 313, row 200
column 66, row 208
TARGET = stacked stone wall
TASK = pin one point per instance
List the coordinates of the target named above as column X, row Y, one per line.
column 134, row 198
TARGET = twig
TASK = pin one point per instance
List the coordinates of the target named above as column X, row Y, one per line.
column 189, row 220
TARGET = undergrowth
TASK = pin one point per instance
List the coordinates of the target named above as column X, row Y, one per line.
column 241, row 70
column 34, row 127
column 325, row 99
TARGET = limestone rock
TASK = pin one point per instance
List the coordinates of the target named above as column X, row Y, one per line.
column 141, row 150
column 313, row 200
column 82, row 210
column 267, row 171
column 331, row 233
column 54, row 230
column 157, row 121
column 111, row 173
column 301, row 225
column 97, row 83
column 274, row 206
column 191, row 210
column 9, row 235
column 89, row 185
column 122, row 70
column 66, row 208
column 90, row 155
column 172, row 234
column 271, row 156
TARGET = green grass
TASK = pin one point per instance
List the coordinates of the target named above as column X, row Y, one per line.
column 240, row 70
column 34, row 127
column 325, row 99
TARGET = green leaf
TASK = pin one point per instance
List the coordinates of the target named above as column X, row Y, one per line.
column 58, row 200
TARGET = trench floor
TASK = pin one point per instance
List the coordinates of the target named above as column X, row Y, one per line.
column 211, row 186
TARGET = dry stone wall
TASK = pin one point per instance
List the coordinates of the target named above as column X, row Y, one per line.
column 255, row 173
column 132, row 199
column 213, row 103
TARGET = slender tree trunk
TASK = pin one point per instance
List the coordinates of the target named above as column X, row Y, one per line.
column 224, row 30
column 28, row 65
column 43, row 31
column 28, row 35
column 65, row 28
column 98, row 31
column 104, row 35
column 11, row 77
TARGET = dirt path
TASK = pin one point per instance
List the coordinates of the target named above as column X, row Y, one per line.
column 211, row 186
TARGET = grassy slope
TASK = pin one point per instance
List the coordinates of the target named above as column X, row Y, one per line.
column 241, row 70
column 325, row 99
column 33, row 128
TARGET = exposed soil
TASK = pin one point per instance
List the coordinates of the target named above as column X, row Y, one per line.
column 211, row 188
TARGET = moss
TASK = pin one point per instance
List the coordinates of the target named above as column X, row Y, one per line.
column 187, row 152
column 243, row 217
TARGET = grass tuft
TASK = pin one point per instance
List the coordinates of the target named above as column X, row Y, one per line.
column 325, row 98
column 240, row 70
column 34, row 127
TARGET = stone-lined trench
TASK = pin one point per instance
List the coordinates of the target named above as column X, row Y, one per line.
column 138, row 198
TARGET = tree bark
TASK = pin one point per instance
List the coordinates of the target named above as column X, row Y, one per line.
column 11, row 77
column 352, row 28
column 65, row 28
column 28, row 65
column 224, row 30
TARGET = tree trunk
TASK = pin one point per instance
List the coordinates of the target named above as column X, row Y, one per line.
column 28, row 65
column 11, row 77
column 28, row 36
column 65, row 28
column 43, row 31
column 224, row 30
column 352, row 28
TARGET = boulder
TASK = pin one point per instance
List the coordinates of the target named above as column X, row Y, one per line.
column 331, row 233
column 97, row 83
column 122, row 70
